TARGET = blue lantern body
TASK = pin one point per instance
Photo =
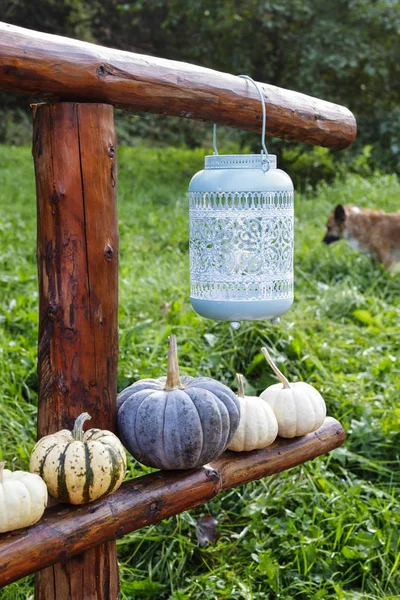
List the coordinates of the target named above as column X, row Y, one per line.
column 241, row 238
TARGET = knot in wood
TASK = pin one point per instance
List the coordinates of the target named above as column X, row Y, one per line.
column 213, row 474
column 101, row 71
column 111, row 151
column 108, row 252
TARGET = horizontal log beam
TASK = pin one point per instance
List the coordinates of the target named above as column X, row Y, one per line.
column 59, row 68
column 65, row 531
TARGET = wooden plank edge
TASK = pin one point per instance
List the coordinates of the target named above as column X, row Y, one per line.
column 62, row 69
column 65, row 531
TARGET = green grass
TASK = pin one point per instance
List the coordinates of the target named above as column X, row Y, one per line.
column 329, row 529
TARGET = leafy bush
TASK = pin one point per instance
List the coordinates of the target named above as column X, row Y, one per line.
column 309, row 166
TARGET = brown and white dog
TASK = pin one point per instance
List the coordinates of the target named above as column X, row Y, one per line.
column 372, row 231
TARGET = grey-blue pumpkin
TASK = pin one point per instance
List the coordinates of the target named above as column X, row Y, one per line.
column 177, row 423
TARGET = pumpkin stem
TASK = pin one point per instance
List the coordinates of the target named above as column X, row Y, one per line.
column 2, row 465
column 173, row 382
column 77, row 432
column 275, row 369
column 240, row 381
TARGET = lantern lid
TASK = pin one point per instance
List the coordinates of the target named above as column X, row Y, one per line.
column 237, row 161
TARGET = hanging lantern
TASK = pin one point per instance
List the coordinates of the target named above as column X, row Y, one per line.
column 241, row 236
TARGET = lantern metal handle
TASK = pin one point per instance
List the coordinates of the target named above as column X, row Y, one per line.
column 264, row 152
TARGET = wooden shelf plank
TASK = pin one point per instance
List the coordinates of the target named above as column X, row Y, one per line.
column 65, row 531
column 58, row 68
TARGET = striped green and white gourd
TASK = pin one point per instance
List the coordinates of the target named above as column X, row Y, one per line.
column 79, row 467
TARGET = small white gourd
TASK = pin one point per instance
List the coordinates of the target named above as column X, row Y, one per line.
column 298, row 407
column 258, row 426
column 23, row 498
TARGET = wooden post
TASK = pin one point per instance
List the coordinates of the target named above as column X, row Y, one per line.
column 77, row 252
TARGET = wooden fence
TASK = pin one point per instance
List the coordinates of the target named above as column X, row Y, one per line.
column 73, row 549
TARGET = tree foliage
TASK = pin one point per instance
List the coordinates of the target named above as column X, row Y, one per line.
column 345, row 51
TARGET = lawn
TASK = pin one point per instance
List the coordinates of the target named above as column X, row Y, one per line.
column 329, row 529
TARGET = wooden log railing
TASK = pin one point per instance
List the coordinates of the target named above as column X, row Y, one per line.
column 66, row 531
column 58, row 68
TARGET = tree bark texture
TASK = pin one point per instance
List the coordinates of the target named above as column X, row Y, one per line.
column 50, row 66
column 66, row 530
column 77, row 251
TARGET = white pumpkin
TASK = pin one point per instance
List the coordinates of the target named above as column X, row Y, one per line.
column 23, row 498
column 80, row 467
column 298, row 407
column 258, row 426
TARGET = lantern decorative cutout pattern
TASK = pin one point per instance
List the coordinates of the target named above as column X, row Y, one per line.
column 241, row 236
